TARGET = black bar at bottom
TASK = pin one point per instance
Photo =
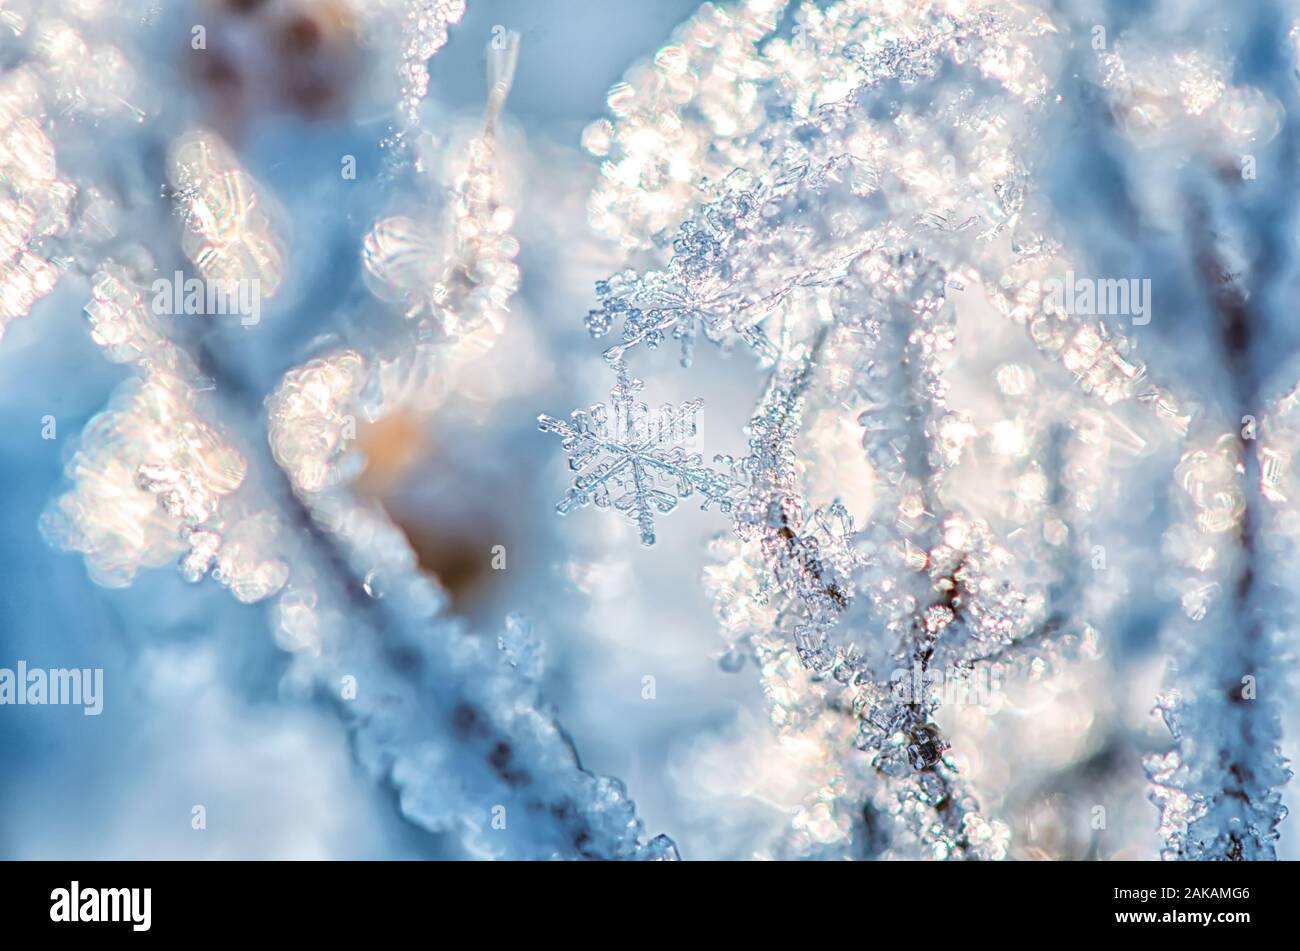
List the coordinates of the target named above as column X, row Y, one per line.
column 213, row 900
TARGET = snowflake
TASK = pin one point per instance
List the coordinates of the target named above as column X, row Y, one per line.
column 634, row 458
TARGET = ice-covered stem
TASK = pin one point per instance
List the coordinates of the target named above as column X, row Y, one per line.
column 421, row 31
column 1217, row 789
column 502, row 58
column 774, row 510
column 452, row 720
column 480, row 275
column 808, row 551
column 456, row 285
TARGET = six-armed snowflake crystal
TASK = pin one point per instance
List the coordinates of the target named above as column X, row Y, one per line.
column 641, row 458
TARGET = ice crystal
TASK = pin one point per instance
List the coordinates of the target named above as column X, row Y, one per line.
column 309, row 421
column 635, row 460
column 228, row 234
column 35, row 199
column 410, row 32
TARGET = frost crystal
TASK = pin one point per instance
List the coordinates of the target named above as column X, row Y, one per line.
column 634, row 459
